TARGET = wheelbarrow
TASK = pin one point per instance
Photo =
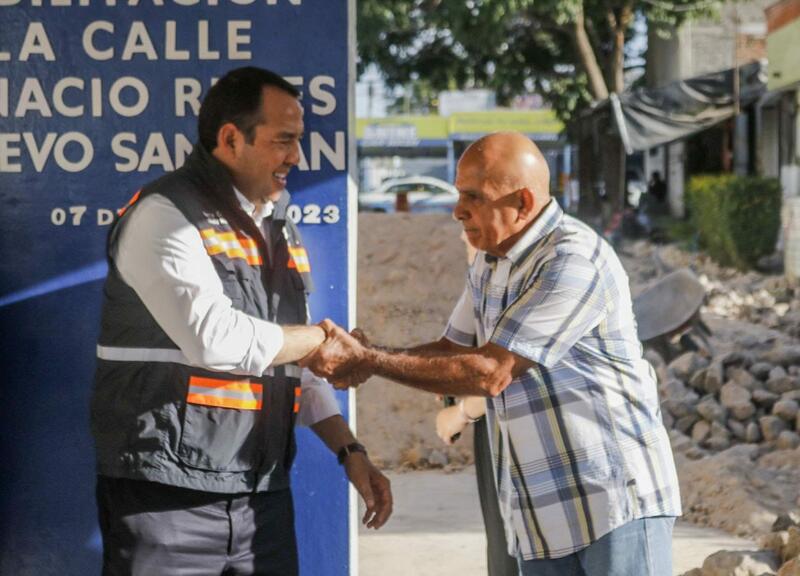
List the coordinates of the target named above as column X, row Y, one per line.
column 669, row 309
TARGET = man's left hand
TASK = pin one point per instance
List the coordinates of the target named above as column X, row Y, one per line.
column 374, row 488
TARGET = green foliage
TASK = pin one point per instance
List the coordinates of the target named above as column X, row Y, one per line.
column 512, row 46
column 458, row 44
column 737, row 217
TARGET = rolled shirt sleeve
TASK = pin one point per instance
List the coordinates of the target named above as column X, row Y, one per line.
column 564, row 303
column 461, row 326
column 317, row 401
column 162, row 257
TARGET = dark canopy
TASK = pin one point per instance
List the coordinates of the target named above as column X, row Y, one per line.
column 649, row 117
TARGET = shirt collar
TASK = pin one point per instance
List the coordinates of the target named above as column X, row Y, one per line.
column 250, row 209
column 544, row 224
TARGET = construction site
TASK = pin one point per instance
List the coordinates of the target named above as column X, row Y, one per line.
column 400, row 288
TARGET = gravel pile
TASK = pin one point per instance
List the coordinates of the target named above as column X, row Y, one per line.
column 747, row 396
column 779, row 554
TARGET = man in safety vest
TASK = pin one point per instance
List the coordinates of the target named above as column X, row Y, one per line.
column 197, row 389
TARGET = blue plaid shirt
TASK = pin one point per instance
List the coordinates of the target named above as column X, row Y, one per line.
column 577, row 441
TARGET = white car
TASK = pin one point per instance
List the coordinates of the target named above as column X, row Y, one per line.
column 423, row 194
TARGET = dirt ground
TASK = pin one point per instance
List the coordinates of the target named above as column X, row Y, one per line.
column 411, row 271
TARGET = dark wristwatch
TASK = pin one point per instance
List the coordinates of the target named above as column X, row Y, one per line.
column 349, row 449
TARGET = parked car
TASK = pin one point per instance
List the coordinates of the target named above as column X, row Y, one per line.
column 422, row 194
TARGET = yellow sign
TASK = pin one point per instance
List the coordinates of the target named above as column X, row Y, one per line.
column 423, row 127
column 407, row 130
column 526, row 121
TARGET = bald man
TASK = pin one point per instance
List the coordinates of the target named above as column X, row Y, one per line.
column 545, row 331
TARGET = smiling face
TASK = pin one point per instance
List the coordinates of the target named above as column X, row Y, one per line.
column 259, row 167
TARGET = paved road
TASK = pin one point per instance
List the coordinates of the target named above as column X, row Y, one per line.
column 436, row 530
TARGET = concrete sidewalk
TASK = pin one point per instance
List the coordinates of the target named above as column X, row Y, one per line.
column 436, row 530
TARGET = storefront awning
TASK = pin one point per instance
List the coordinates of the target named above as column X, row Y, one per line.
column 649, row 117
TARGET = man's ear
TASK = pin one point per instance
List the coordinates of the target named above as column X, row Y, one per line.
column 229, row 139
column 527, row 203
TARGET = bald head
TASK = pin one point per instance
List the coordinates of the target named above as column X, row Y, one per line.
column 508, row 161
column 503, row 185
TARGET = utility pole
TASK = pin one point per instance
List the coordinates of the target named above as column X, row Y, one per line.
column 736, row 88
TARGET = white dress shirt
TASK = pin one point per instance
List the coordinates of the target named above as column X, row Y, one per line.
column 160, row 254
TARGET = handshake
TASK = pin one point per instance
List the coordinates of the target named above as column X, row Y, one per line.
column 342, row 358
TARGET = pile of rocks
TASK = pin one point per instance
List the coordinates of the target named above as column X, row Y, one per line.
column 784, row 543
column 747, row 396
column 779, row 554
column 769, row 301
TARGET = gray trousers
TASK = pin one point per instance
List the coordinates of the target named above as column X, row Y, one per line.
column 497, row 558
column 152, row 529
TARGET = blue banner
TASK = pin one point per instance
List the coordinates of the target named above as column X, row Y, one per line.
column 97, row 98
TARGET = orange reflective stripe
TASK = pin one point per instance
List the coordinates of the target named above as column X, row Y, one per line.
column 222, row 402
column 130, row 203
column 226, row 236
column 232, row 245
column 299, row 259
column 236, row 385
column 241, row 394
column 297, row 392
column 236, row 253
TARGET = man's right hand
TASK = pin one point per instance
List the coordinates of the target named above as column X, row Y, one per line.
column 339, row 358
column 298, row 342
column 355, row 377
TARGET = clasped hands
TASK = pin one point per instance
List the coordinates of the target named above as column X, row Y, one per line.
column 341, row 358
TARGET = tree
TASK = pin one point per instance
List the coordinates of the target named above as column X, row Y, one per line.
column 572, row 52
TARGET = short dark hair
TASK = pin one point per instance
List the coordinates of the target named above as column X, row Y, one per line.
column 236, row 97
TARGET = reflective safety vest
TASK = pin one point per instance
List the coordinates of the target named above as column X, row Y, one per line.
column 155, row 416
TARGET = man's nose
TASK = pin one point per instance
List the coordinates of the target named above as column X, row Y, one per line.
column 293, row 157
column 459, row 213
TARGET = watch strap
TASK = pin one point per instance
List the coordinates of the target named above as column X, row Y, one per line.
column 345, row 451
